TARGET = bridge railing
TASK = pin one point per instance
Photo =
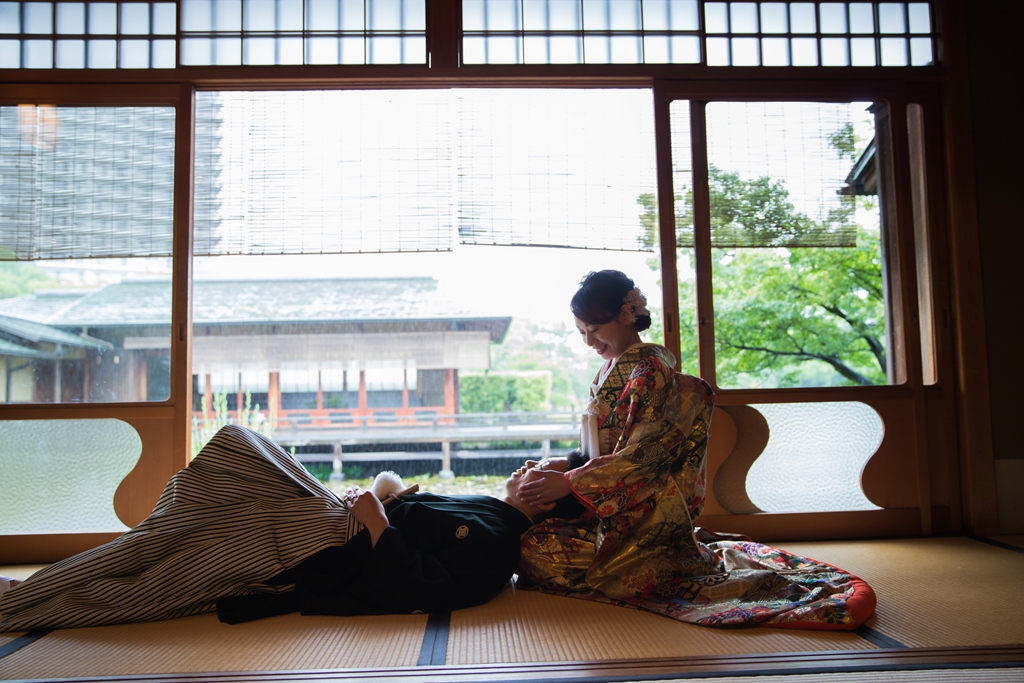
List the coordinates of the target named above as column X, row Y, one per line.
column 294, row 421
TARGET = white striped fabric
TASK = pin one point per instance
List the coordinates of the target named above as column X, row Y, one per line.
column 242, row 511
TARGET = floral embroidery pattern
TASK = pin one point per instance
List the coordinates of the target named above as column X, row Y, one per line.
column 637, row 544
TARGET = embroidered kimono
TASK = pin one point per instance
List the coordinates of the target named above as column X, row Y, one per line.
column 642, row 487
column 645, row 433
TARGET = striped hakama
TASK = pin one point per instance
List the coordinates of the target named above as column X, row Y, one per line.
column 242, row 512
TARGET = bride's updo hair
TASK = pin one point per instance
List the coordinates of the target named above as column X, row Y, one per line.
column 601, row 295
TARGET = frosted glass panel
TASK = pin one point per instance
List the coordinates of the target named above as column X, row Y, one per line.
column 814, row 457
column 59, row 476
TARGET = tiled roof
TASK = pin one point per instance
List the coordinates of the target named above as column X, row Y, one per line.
column 341, row 300
column 11, row 349
column 38, row 332
column 44, row 306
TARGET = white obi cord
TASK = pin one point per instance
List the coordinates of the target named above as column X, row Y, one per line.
column 588, row 429
column 589, row 444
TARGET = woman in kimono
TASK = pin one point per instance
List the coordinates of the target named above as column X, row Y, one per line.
column 641, row 481
column 642, row 440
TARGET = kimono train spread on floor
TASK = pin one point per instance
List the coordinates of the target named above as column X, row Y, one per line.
column 645, row 433
column 242, row 512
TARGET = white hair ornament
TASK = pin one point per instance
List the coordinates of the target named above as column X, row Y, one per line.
column 636, row 304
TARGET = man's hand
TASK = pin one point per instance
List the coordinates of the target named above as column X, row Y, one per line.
column 543, row 487
column 368, row 511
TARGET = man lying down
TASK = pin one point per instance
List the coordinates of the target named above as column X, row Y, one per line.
column 246, row 531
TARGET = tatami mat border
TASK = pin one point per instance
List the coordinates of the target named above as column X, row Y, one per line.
column 999, row 544
column 623, row 670
column 434, row 649
column 15, row 644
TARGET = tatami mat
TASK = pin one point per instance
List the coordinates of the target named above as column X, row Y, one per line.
column 931, row 676
column 526, row 626
column 935, row 592
column 932, row 593
column 21, row 571
column 202, row 643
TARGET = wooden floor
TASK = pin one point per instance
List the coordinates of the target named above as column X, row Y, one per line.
column 949, row 609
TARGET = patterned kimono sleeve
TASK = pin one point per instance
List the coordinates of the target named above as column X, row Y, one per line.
column 653, row 416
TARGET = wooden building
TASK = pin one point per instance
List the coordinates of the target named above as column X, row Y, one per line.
column 297, row 351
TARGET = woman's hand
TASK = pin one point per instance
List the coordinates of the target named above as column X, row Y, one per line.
column 368, row 511
column 543, row 487
column 560, row 464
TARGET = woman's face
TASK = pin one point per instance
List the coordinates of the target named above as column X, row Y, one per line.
column 609, row 339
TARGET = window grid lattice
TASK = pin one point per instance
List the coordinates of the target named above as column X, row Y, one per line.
column 862, row 34
column 142, row 35
column 93, row 35
column 145, row 35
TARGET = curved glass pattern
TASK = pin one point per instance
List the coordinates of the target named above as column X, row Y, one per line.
column 814, row 456
column 59, row 476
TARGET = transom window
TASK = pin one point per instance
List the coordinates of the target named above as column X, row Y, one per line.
column 158, row 35
column 697, row 32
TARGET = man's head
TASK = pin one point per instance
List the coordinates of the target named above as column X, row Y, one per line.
column 534, row 512
column 567, row 507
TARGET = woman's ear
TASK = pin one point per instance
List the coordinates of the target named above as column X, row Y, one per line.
column 626, row 316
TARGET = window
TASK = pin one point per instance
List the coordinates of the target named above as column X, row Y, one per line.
column 799, row 295
column 697, row 32
column 253, row 32
column 91, row 457
column 78, row 322
column 143, row 35
column 363, row 236
column 371, row 254
column 87, row 35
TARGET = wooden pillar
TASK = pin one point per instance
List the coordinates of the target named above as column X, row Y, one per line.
column 336, row 473
column 143, row 382
column 86, row 374
column 273, row 395
column 208, row 395
column 362, row 391
column 451, row 401
column 446, row 460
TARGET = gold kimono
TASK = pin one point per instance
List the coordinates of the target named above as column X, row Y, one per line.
column 642, row 491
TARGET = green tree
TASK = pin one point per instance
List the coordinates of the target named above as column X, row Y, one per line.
column 783, row 312
column 533, row 345
column 21, row 279
column 503, row 393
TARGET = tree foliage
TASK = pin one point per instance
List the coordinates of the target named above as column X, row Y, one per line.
column 784, row 315
column 504, row 392
column 21, row 279
column 532, row 345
